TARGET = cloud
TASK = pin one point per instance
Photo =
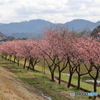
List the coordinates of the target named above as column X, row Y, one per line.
column 43, row 6
column 52, row 10
column 84, row 7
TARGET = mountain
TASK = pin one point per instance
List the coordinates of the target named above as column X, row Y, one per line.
column 96, row 32
column 32, row 26
column 79, row 25
column 1, row 23
column 27, row 35
column 2, row 35
column 5, row 38
column 35, row 28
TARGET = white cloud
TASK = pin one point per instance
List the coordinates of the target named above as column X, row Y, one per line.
column 51, row 10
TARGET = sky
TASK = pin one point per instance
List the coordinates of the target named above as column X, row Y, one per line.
column 56, row 11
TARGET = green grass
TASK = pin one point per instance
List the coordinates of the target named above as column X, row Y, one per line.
column 40, row 67
column 41, row 81
column 74, row 79
column 84, row 85
column 46, row 85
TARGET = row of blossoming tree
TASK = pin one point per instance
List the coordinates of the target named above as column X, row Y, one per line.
column 59, row 50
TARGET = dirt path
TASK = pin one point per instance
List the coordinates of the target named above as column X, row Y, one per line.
column 12, row 88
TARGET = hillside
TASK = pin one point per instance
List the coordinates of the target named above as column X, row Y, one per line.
column 79, row 25
column 21, row 84
column 96, row 32
column 2, row 35
column 35, row 28
column 5, row 38
column 26, row 27
column 12, row 88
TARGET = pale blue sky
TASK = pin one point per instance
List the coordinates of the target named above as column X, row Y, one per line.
column 59, row 11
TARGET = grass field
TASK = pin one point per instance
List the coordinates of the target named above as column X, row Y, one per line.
column 42, row 81
column 84, row 85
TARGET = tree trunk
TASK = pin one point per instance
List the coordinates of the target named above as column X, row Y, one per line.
column 44, row 66
column 28, row 68
column 14, row 59
column 24, row 63
column 10, row 57
column 95, row 83
column 33, row 68
column 33, row 63
column 95, row 89
column 70, row 78
column 18, row 61
column 79, row 77
column 6, row 56
column 52, row 76
column 59, row 79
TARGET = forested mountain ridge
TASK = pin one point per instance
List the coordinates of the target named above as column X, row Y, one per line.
column 96, row 32
column 35, row 28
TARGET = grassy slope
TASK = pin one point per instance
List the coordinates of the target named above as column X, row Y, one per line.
column 84, row 85
column 41, row 81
